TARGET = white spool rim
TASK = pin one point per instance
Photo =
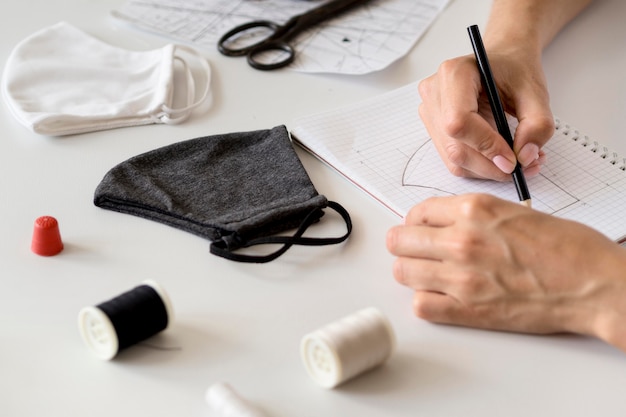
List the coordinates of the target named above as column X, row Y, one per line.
column 164, row 297
column 98, row 332
column 327, row 379
column 332, row 377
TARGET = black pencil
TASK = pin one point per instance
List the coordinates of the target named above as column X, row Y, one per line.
column 497, row 109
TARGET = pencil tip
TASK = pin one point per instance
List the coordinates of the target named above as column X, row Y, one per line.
column 528, row 203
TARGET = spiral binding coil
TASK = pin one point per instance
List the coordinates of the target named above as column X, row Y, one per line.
column 612, row 157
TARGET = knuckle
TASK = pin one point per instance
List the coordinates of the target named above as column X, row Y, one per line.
column 470, row 282
column 464, row 248
column 473, row 206
column 449, row 66
column 456, row 154
column 454, row 124
column 425, row 87
column 456, row 170
column 544, row 127
column 420, row 308
column 486, row 146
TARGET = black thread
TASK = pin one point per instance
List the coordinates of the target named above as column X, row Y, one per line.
column 136, row 315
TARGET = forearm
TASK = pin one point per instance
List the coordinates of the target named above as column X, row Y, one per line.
column 609, row 313
column 529, row 24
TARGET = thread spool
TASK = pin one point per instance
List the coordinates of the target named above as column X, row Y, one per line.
column 348, row 347
column 125, row 320
column 226, row 402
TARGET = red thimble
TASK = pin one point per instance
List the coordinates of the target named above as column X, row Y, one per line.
column 46, row 237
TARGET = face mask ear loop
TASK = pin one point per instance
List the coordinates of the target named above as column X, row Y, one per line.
column 184, row 112
column 220, row 247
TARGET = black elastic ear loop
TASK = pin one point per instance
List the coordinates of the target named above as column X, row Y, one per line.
column 219, row 247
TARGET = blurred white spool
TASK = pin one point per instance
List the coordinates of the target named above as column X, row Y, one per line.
column 225, row 401
column 348, row 347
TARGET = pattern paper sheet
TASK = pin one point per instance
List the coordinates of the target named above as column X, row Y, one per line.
column 364, row 39
column 382, row 146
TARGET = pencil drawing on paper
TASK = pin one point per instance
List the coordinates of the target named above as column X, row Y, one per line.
column 426, row 171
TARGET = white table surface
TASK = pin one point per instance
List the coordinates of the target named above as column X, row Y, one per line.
column 243, row 323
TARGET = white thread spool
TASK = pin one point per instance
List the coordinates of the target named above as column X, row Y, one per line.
column 348, row 347
column 225, row 401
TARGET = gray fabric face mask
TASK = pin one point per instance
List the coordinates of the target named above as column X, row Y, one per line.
column 237, row 190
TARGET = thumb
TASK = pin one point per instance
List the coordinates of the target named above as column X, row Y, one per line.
column 536, row 127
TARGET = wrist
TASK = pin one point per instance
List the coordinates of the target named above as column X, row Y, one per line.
column 514, row 26
column 610, row 309
column 524, row 45
column 532, row 23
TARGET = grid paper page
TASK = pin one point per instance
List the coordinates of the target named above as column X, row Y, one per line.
column 382, row 146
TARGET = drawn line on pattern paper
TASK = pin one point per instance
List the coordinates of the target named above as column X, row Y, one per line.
column 415, row 163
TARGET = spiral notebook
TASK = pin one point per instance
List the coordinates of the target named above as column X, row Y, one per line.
column 382, row 147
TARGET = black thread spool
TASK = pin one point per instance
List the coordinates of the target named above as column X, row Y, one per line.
column 125, row 320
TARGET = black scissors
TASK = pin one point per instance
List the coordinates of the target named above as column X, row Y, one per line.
column 279, row 35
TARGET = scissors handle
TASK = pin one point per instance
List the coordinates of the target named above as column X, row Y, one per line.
column 275, row 46
column 222, row 44
column 279, row 35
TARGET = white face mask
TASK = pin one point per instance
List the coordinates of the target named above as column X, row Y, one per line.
column 61, row 81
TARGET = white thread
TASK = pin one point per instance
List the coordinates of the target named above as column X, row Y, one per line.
column 348, row 347
column 226, row 402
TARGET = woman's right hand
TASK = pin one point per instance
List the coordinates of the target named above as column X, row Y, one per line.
column 458, row 116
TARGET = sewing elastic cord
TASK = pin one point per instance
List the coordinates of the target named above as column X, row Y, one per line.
column 183, row 113
column 220, row 248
